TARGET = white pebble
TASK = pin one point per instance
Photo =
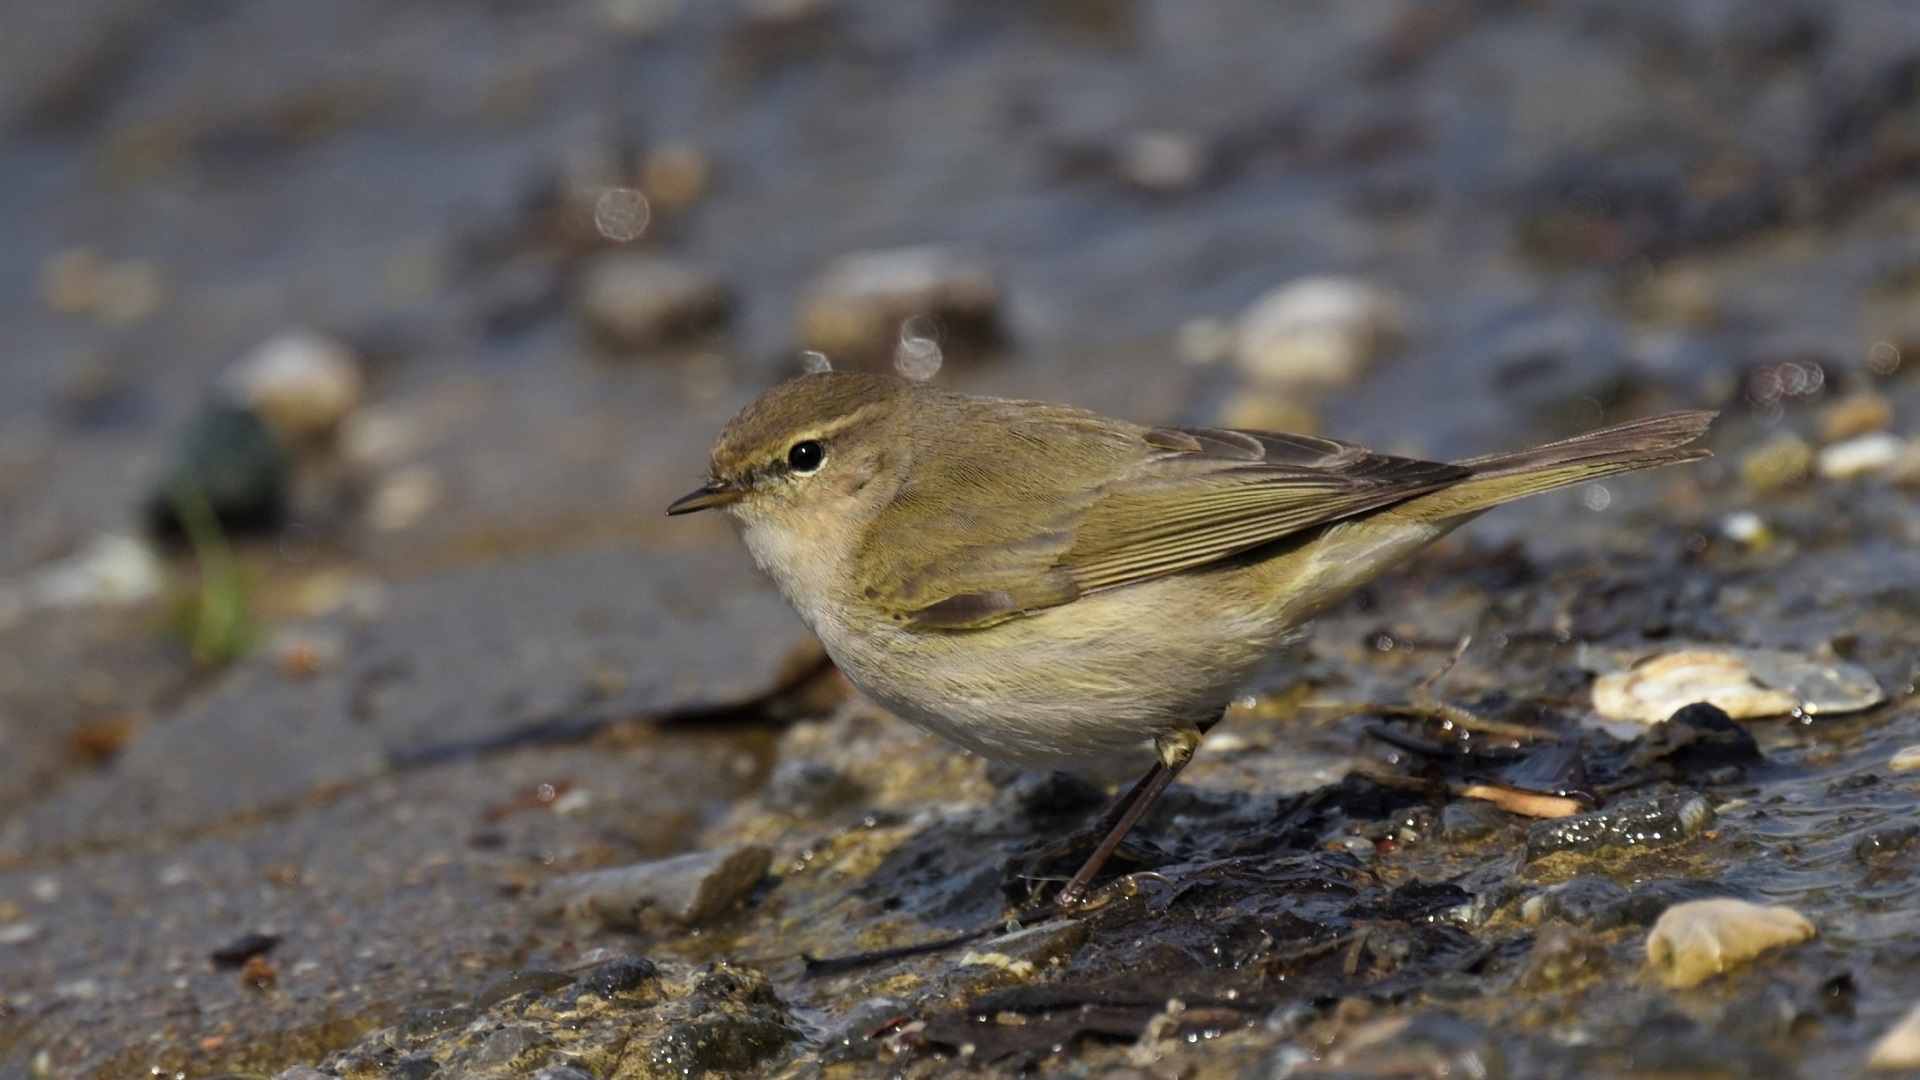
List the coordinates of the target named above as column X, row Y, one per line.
column 642, row 18
column 405, row 498
column 1318, row 331
column 112, row 570
column 1906, row 759
column 1699, row 939
column 302, row 384
column 380, row 435
column 1859, row 455
column 1746, row 528
column 1163, row 161
column 633, row 302
column 18, row 933
column 1899, row 1048
column 859, row 304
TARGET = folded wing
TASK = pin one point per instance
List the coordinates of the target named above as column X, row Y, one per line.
column 1088, row 507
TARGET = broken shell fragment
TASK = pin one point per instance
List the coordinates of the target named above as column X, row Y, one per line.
column 1699, row 939
column 1532, row 804
column 1549, row 783
column 1745, row 683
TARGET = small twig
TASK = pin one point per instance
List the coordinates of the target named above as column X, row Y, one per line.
column 833, row 965
column 1459, row 650
column 1447, row 712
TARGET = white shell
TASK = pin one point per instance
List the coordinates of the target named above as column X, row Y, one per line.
column 1746, row 683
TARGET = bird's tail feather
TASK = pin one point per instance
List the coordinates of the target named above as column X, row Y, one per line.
column 1498, row 478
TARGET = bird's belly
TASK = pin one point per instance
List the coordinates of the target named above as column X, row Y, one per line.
column 1082, row 688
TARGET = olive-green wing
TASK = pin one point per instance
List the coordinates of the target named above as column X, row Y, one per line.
column 1233, row 491
column 1034, row 532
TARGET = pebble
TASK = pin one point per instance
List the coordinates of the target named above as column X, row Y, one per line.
column 79, row 282
column 691, row 889
column 111, row 570
column 1778, row 463
column 1657, row 822
column 1746, row 528
column 18, row 933
column 231, row 458
column 1561, row 957
column 1680, row 295
column 674, row 176
column 1258, row 408
column 781, row 14
column 1855, row 414
column 1906, row 470
column 1426, row 1044
column 1899, row 1048
column 864, row 305
column 1163, row 162
column 642, row 18
column 302, row 384
column 69, row 281
column 91, row 381
column 1859, row 455
column 1699, row 740
column 618, row 976
column 378, row 436
column 631, row 302
column 1699, row 939
column 1203, row 342
column 1906, row 759
column 1745, row 683
column 1318, row 331
column 807, row 788
column 404, row 498
column 304, row 653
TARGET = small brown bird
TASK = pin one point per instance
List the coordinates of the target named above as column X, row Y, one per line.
column 1060, row 590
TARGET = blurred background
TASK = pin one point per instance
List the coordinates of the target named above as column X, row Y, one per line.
column 316, row 310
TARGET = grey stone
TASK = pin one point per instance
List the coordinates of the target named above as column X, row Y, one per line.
column 691, row 889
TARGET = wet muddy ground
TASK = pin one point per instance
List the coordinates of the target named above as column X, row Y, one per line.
column 373, row 785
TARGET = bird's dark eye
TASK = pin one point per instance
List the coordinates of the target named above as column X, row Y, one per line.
column 806, row 456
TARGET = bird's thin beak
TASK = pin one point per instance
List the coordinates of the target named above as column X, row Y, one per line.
column 714, row 494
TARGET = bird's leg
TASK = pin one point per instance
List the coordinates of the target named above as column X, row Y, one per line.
column 1175, row 750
